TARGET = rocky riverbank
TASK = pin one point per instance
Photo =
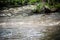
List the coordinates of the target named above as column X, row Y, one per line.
column 24, row 10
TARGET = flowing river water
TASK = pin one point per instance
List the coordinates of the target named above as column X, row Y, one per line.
column 33, row 27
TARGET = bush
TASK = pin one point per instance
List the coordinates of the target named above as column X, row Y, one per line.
column 51, row 5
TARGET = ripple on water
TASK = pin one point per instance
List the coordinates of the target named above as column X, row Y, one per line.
column 27, row 31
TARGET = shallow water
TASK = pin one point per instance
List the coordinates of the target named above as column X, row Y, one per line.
column 33, row 27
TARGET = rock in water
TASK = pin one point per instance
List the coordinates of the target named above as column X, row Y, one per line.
column 35, row 27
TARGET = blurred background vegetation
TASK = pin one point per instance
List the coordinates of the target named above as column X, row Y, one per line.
column 17, row 2
column 50, row 4
column 25, row 2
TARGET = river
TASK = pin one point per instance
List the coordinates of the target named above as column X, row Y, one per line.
column 33, row 27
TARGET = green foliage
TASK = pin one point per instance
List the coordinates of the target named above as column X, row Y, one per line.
column 17, row 2
column 53, row 4
column 39, row 7
column 49, row 4
column 32, row 1
column 41, row 3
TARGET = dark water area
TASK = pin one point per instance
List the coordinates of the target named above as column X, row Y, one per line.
column 33, row 27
